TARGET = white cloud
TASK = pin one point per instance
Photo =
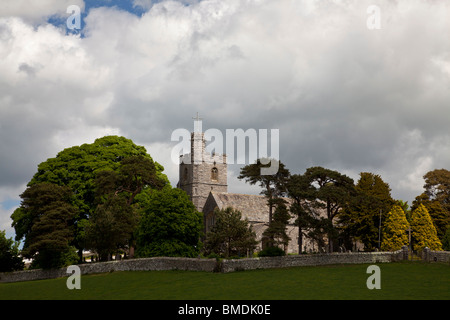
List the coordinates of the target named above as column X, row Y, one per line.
column 343, row 96
column 37, row 11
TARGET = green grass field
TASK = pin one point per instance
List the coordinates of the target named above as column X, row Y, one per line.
column 398, row 281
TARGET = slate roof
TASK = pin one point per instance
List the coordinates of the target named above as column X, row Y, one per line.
column 252, row 207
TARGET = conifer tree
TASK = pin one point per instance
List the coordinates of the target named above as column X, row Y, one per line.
column 231, row 235
column 423, row 231
column 367, row 210
column 276, row 232
column 395, row 234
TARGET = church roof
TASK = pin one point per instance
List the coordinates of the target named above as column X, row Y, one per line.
column 252, row 207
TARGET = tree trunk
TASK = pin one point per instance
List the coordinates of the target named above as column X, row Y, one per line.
column 300, row 240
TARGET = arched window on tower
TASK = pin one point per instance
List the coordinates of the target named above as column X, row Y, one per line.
column 185, row 175
column 214, row 174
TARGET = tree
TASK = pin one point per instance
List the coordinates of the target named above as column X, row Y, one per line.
column 395, row 234
column 275, row 234
column 446, row 240
column 77, row 168
column 230, row 236
column 45, row 219
column 423, row 231
column 112, row 225
column 436, row 199
column 437, row 187
column 9, row 254
column 439, row 216
column 274, row 186
column 303, row 194
column 169, row 224
column 133, row 174
column 332, row 191
column 367, row 210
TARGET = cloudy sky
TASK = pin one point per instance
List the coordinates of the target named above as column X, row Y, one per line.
column 343, row 95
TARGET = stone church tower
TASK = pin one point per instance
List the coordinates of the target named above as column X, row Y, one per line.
column 202, row 172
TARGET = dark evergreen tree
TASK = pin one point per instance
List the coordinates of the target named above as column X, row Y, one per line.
column 333, row 192
column 368, row 209
column 303, row 195
column 230, row 236
column 273, row 186
column 275, row 234
column 436, row 199
column 46, row 222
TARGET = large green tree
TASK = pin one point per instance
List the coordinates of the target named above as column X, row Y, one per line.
column 303, row 208
column 77, row 168
column 169, row 224
column 112, row 224
column 231, row 235
column 332, row 191
column 45, row 219
column 436, row 198
column 367, row 211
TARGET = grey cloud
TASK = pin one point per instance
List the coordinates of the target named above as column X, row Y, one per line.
column 341, row 95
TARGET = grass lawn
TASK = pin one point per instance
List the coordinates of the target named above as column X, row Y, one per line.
column 405, row 280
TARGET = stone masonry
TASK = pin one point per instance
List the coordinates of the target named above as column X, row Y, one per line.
column 201, row 172
column 211, row 265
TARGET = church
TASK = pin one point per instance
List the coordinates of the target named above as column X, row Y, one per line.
column 203, row 176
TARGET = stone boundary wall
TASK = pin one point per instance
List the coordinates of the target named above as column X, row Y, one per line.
column 435, row 256
column 211, row 265
column 144, row 264
column 311, row 260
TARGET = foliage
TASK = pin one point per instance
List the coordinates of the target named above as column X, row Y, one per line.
column 446, row 240
column 169, row 224
column 133, row 174
column 112, row 224
column 304, row 208
column 423, row 231
column 276, row 232
column 437, row 187
column 367, row 209
column 9, row 254
column 395, row 230
column 331, row 191
column 45, row 219
column 77, row 168
column 273, row 186
column 271, row 252
column 439, row 216
column 230, row 236
column 436, row 199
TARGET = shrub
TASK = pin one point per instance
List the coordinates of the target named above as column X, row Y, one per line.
column 271, row 252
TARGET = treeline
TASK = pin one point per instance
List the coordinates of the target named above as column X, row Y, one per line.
column 330, row 209
column 110, row 197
